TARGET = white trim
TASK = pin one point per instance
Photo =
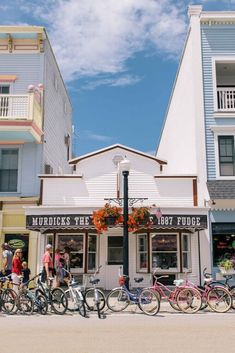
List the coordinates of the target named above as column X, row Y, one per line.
column 227, row 115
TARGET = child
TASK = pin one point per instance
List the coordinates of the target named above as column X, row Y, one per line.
column 25, row 271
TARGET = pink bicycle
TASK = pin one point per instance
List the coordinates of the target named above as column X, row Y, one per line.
column 181, row 298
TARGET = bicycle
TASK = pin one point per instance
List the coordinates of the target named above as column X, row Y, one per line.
column 146, row 299
column 181, row 298
column 28, row 301
column 94, row 297
column 74, row 295
column 55, row 296
column 217, row 297
column 7, row 297
column 230, row 288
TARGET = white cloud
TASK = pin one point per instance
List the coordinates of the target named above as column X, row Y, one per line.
column 87, row 134
column 98, row 37
column 93, row 38
column 123, row 80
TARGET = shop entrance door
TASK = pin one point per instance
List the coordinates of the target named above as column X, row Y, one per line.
column 114, row 260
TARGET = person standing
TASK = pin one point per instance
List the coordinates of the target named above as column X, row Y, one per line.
column 25, row 272
column 6, row 260
column 59, row 260
column 16, row 269
column 47, row 263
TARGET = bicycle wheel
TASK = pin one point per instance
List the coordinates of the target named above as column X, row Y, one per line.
column 59, row 301
column 232, row 292
column 189, row 300
column 9, row 301
column 25, row 304
column 75, row 303
column 89, row 298
column 118, row 300
column 219, row 299
column 42, row 304
column 148, row 302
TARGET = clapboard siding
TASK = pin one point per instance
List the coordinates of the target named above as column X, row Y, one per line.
column 27, row 67
column 216, row 41
column 99, row 181
column 57, row 121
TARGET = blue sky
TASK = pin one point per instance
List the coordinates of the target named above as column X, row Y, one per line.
column 118, row 59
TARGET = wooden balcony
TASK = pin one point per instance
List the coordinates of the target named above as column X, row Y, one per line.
column 226, row 99
column 21, row 117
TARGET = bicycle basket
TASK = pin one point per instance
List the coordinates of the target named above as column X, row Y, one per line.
column 121, row 281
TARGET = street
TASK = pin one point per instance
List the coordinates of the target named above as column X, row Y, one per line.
column 127, row 332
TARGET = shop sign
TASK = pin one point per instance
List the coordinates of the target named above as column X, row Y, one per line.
column 76, row 221
column 16, row 243
column 58, row 221
column 193, row 221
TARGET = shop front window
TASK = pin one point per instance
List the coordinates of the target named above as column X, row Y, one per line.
column 223, row 247
column 75, row 243
column 142, row 253
column 92, row 252
column 115, row 250
column 165, row 252
column 186, row 251
column 18, row 241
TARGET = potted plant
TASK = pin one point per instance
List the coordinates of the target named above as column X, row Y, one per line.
column 227, row 266
column 106, row 216
column 139, row 218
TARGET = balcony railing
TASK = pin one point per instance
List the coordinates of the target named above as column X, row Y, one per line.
column 20, row 107
column 226, row 99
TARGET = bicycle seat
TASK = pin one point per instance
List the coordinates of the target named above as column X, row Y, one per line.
column 178, row 282
column 138, row 279
column 94, row 281
column 208, row 280
column 74, row 284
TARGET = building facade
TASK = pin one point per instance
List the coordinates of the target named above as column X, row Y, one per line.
column 173, row 244
column 201, row 116
column 35, row 128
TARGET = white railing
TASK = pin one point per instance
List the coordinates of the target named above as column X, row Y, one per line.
column 226, row 99
column 15, row 106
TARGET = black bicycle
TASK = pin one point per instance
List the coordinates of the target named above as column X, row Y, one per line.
column 56, row 297
column 8, row 297
column 29, row 301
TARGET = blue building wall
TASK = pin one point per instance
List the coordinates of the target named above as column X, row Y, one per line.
column 217, row 41
column 29, row 69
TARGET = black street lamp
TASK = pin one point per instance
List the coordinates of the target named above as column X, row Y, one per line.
column 125, row 168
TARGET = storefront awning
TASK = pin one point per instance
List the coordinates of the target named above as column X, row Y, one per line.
column 45, row 223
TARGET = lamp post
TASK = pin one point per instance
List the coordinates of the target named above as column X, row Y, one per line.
column 125, row 168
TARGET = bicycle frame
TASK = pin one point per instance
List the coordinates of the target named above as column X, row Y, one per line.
column 161, row 289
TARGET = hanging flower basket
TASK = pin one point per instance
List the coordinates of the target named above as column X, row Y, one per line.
column 139, row 218
column 107, row 216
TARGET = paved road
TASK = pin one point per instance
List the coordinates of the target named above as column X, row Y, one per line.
column 128, row 332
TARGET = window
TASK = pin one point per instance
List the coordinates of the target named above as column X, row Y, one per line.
column 223, row 239
column 4, row 89
column 91, row 255
column 4, row 101
column 8, row 170
column 115, row 250
column 142, row 253
column 165, row 251
column 76, row 245
column 186, row 252
column 226, row 155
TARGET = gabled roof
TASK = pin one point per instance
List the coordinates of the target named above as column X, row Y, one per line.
column 109, row 148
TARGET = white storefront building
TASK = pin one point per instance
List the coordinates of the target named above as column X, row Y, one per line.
column 175, row 243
